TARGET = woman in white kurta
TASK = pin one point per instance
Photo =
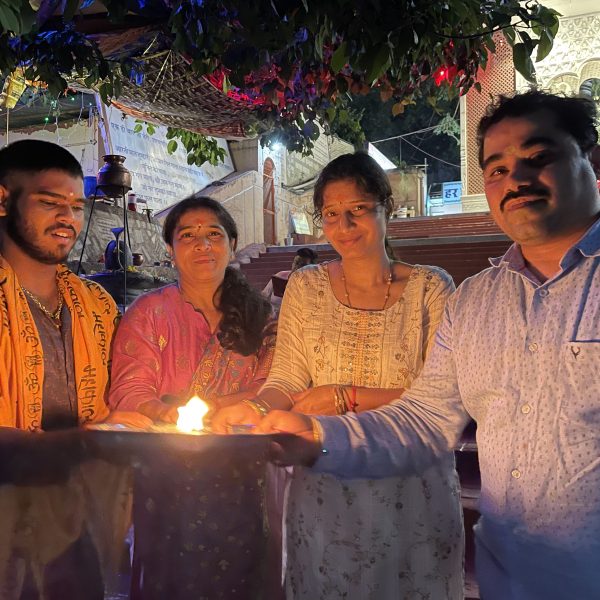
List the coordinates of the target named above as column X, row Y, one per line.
column 358, row 330
column 392, row 538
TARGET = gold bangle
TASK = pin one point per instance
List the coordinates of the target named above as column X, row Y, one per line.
column 336, row 401
column 317, row 431
column 259, row 409
column 340, row 404
column 345, row 399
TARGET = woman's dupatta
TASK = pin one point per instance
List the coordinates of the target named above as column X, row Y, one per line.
column 221, row 372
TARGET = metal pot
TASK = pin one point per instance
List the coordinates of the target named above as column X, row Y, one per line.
column 114, row 179
column 138, row 259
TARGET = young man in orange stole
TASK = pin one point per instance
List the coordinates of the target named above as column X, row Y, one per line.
column 55, row 337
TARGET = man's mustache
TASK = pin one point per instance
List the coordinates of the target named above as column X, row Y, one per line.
column 523, row 192
column 57, row 227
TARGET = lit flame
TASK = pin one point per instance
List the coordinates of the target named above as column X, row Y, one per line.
column 191, row 415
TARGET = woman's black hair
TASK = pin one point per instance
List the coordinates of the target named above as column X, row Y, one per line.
column 368, row 176
column 245, row 310
column 304, row 257
column 308, row 253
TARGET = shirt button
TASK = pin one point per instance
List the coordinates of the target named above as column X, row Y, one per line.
column 533, row 347
column 544, row 292
column 516, row 473
column 525, row 409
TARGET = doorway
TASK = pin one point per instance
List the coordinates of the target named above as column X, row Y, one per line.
column 269, row 202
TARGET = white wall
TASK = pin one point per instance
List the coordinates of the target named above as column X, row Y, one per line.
column 79, row 138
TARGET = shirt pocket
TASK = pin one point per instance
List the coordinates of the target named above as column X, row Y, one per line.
column 579, row 419
column 580, row 388
column 587, row 323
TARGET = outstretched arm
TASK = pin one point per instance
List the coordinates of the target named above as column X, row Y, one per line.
column 404, row 437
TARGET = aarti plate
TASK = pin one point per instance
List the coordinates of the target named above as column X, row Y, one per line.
column 110, row 436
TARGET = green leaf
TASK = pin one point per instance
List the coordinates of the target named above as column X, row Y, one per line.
column 226, row 84
column 510, row 35
column 461, row 10
column 28, row 18
column 171, row 146
column 339, row 58
column 525, row 37
column 90, row 80
column 10, row 20
column 489, row 42
column 117, row 88
column 544, row 46
column 398, row 109
column 522, row 62
column 379, row 64
column 319, row 42
column 137, row 129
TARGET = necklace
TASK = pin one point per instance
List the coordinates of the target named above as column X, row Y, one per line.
column 53, row 316
column 390, row 278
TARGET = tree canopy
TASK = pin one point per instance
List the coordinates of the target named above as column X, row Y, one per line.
column 294, row 62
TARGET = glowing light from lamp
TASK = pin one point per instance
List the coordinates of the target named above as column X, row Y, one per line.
column 191, row 416
column 276, row 147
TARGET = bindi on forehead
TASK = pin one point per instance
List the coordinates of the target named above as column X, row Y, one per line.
column 69, row 196
column 200, row 226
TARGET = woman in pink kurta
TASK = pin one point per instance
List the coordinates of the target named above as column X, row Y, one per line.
column 164, row 351
column 198, row 517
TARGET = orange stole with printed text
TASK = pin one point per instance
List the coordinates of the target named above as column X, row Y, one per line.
column 93, row 315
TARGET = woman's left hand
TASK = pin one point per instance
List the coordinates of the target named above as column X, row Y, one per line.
column 318, row 400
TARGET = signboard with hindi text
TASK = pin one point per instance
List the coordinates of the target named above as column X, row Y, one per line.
column 158, row 178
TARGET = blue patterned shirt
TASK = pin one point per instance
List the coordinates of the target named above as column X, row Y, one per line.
column 522, row 358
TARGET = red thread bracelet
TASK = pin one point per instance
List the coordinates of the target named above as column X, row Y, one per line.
column 353, row 402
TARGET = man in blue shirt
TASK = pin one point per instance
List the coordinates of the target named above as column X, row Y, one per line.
column 518, row 351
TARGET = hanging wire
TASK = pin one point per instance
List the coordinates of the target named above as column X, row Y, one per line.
column 431, row 155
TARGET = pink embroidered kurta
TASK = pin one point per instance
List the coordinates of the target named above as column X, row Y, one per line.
column 164, row 346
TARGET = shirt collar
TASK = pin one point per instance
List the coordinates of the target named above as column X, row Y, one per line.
column 512, row 259
column 588, row 245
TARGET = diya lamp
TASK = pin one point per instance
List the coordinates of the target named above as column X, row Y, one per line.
column 191, row 416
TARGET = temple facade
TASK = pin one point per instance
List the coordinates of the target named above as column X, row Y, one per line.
column 573, row 66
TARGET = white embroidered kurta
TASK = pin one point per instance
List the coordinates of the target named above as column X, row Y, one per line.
column 386, row 539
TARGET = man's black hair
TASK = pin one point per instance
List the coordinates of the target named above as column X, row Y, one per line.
column 33, row 156
column 575, row 115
